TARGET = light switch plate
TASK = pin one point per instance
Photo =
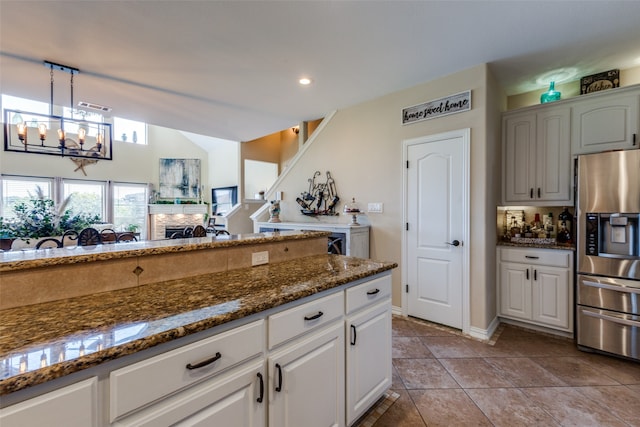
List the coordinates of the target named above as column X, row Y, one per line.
column 375, row 207
column 259, row 258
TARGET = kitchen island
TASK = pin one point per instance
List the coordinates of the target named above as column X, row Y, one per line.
column 53, row 345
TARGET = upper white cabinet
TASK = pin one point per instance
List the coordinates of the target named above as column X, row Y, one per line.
column 536, row 157
column 606, row 122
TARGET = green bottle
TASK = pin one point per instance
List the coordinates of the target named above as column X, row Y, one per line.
column 551, row 95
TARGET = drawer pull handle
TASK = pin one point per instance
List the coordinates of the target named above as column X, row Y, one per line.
column 261, row 397
column 314, row 317
column 279, row 386
column 373, row 292
column 354, row 334
column 531, row 257
column 204, row 362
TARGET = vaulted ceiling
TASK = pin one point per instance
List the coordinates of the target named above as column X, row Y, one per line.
column 230, row 69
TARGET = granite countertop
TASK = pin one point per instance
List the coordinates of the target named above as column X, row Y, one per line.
column 23, row 259
column 70, row 335
column 556, row 246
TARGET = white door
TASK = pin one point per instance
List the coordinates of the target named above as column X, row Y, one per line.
column 437, row 204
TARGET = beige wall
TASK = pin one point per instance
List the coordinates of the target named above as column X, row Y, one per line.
column 362, row 148
column 131, row 162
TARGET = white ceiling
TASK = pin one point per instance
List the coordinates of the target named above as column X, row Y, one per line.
column 229, row 69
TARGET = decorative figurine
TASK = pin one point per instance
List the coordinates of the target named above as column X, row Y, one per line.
column 274, row 211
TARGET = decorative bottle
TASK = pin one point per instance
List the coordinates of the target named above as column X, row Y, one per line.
column 551, row 95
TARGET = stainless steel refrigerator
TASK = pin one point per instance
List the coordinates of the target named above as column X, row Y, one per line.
column 608, row 266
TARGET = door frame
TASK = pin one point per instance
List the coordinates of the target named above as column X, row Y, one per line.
column 465, row 134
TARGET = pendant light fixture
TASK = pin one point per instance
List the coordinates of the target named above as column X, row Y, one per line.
column 62, row 135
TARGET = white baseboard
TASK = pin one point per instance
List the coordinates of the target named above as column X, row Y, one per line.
column 484, row 334
column 396, row 311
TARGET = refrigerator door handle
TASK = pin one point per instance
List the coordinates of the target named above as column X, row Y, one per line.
column 611, row 287
column 618, row 320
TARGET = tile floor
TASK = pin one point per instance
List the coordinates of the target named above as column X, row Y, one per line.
column 523, row 379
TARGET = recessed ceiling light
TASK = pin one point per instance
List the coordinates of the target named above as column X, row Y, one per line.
column 304, row 81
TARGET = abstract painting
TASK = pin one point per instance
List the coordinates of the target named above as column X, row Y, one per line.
column 179, row 178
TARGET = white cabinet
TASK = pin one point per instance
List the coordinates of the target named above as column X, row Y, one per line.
column 368, row 348
column 306, row 380
column 150, row 380
column 536, row 157
column 351, row 240
column 75, row 405
column 233, row 399
column 606, row 121
column 535, row 286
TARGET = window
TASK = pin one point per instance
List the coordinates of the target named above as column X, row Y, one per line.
column 129, row 131
column 86, row 197
column 22, row 189
column 130, row 208
column 122, row 204
column 23, row 104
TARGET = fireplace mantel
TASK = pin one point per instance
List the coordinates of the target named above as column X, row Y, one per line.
column 178, row 209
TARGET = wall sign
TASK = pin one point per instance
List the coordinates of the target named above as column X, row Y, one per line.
column 437, row 108
column 601, row 81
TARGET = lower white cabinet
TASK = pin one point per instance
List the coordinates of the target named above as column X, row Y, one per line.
column 306, row 381
column 368, row 348
column 75, row 405
column 535, row 286
column 233, row 399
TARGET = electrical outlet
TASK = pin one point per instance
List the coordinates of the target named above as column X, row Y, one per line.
column 259, row 258
column 376, row 207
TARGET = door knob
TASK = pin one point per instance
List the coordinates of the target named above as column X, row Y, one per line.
column 454, row 243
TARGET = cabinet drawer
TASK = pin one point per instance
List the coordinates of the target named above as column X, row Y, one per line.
column 550, row 257
column 368, row 293
column 295, row 321
column 144, row 382
column 72, row 406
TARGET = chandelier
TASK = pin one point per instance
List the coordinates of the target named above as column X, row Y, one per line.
column 72, row 134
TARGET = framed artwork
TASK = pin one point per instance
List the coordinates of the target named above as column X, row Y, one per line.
column 179, row 178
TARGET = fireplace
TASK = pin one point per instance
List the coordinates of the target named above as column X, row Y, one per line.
column 164, row 220
column 170, row 229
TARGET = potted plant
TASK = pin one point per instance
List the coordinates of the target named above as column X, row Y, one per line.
column 41, row 218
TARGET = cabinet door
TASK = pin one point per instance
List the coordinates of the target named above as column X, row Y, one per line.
column 515, row 290
column 551, row 302
column 358, row 245
column 306, row 381
column 368, row 358
column 605, row 123
column 553, row 164
column 519, row 157
column 72, row 406
column 227, row 400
